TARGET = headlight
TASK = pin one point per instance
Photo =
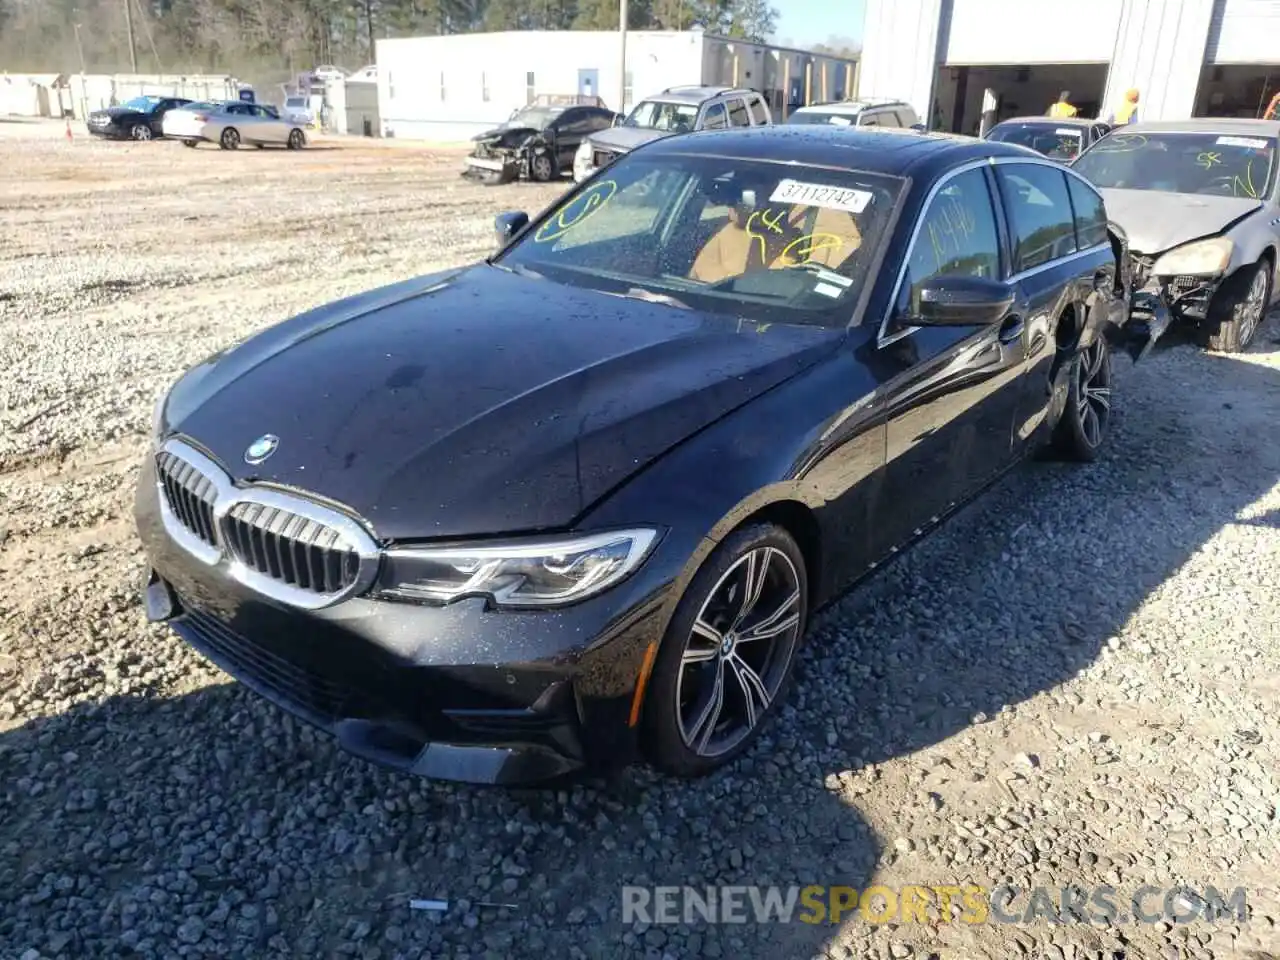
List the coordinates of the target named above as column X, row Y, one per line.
column 537, row 573
column 1202, row 258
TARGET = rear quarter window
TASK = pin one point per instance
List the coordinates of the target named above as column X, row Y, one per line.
column 1090, row 213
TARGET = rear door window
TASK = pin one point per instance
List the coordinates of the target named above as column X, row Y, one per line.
column 759, row 114
column 738, row 113
column 1040, row 214
column 715, row 118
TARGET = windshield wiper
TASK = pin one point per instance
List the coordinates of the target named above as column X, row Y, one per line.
column 518, row 268
column 639, row 293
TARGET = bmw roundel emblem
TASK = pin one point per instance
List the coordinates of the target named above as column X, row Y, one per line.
column 261, row 448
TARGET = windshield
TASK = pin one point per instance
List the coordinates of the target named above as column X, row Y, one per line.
column 536, row 117
column 142, row 104
column 1061, row 143
column 753, row 239
column 823, row 116
column 295, row 102
column 1212, row 164
column 663, row 115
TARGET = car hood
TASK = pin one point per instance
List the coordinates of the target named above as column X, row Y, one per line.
column 622, row 139
column 1157, row 221
column 478, row 401
column 118, row 113
column 506, row 136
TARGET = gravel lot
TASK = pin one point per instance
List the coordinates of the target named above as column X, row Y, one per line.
column 1075, row 682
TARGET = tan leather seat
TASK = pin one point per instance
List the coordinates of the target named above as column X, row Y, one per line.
column 768, row 239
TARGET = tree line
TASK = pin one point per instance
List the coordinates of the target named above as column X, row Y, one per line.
column 257, row 37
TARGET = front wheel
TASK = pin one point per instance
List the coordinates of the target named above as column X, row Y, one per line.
column 296, row 139
column 1239, row 308
column 726, row 660
column 1083, row 427
column 230, row 139
column 541, row 167
column 140, row 131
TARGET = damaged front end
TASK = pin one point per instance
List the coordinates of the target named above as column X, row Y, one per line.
column 1139, row 316
column 503, row 155
column 1187, row 295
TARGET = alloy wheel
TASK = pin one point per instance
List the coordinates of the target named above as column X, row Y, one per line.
column 142, row 132
column 1254, row 306
column 1093, row 392
column 230, row 139
column 738, row 654
column 542, row 168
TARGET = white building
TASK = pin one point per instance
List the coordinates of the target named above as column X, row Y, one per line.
column 451, row 87
column 1186, row 57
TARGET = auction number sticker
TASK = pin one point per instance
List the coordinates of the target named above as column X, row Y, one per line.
column 1249, row 142
column 821, row 195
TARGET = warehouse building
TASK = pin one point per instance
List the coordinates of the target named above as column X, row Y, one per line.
column 451, row 87
column 1187, row 57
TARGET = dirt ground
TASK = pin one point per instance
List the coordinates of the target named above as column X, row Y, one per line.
column 1073, row 683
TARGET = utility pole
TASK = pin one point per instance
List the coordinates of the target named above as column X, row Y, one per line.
column 622, row 57
column 128, row 25
column 368, row 20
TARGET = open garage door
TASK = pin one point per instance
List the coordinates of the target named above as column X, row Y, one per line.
column 1025, row 53
column 1242, row 69
column 1019, row 92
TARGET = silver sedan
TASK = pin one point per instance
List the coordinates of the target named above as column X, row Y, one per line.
column 232, row 123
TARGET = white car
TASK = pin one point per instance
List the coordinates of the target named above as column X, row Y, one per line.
column 232, row 123
column 298, row 110
column 859, row 113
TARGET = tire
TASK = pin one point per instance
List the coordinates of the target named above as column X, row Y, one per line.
column 542, row 167
column 701, row 648
column 1239, row 308
column 230, row 139
column 297, row 139
column 190, row 143
column 140, row 131
column 1082, row 430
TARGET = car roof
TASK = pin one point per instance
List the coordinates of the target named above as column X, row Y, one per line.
column 893, row 152
column 696, row 93
column 856, row 105
column 1054, row 121
column 1259, row 128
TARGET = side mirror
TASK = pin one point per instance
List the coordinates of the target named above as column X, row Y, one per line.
column 507, row 225
column 960, row 301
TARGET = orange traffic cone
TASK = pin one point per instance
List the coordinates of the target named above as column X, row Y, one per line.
column 69, row 130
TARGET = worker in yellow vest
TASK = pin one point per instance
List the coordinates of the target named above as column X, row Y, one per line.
column 1063, row 107
column 1128, row 112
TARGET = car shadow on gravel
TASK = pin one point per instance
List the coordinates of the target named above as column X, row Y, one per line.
column 212, row 823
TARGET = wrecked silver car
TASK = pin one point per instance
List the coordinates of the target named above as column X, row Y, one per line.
column 538, row 142
column 1201, row 204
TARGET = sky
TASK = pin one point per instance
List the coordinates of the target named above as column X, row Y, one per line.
column 804, row 22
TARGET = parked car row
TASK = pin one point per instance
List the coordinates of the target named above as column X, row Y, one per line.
column 706, row 391
column 227, row 123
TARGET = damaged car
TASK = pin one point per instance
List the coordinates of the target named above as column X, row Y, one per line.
column 1201, row 204
column 537, row 143
column 689, row 404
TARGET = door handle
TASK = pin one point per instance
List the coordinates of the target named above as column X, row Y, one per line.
column 1011, row 330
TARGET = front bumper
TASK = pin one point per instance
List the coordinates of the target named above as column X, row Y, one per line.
column 456, row 693
column 501, row 169
column 1187, row 297
column 108, row 132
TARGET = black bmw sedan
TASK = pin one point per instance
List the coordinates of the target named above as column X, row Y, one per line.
column 136, row 119
column 575, row 504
